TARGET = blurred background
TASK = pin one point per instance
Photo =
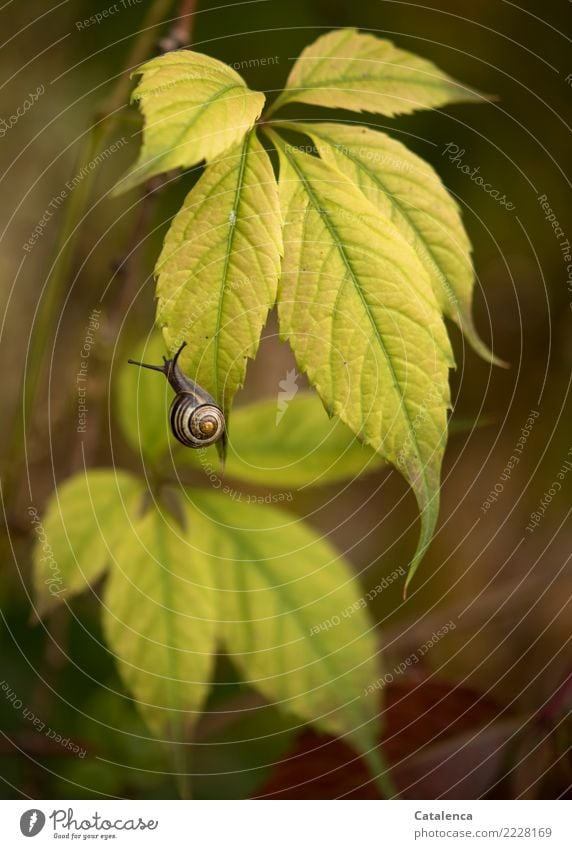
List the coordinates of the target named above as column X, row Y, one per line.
column 486, row 711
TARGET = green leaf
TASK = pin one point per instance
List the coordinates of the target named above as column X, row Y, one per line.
column 409, row 192
column 346, row 69
column 84, row 520
column 143, row 399
column 218, row 271
column 361, row 316
column 292, row 617
column 159, row 619
column 303, row 448
column 194, row 107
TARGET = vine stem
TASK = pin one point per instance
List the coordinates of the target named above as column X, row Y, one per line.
column 182, row 777
column 375, row 759
column 104, row 124
column 105, row 121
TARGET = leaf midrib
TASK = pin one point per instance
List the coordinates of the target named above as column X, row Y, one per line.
column 230, row 241
column 152, row 164
column 402, row 209
column 291, row 93
column 305, row 182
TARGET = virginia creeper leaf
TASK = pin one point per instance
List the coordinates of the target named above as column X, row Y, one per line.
column 292, row 617
column 409, row 192
column 361, row 316
column 159, row 619
column 194, row 107
column 143, row 400
column 304, row 448
column 347, row 69
column 218, row 270
column 84, row 520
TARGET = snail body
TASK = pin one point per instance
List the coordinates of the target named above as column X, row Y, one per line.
column 196, row 420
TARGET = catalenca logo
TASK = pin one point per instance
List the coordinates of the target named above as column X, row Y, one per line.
column 32, row 822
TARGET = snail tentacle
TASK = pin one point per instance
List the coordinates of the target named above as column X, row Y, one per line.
column 196, row 420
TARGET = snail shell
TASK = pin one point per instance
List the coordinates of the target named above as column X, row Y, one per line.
column 196, row 420
column 195, row 425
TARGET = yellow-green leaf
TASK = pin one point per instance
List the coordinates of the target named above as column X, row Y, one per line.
column 194, row 107
column 302, row 447
column 409, row 192
column 159, row 620
column 84, row 520
column 347, row 69
column 218, row 271
column 292, row 617
column 361, row 316
column 143, row 399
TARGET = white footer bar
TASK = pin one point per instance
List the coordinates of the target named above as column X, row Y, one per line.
column 288, row 824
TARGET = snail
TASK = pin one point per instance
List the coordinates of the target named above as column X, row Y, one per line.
column 196, row 420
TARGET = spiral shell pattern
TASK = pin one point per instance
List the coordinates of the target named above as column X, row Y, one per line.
column 196, row 426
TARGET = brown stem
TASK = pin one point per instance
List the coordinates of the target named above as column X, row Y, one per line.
column 127, row 266
column 181, row 33
column 105, row 122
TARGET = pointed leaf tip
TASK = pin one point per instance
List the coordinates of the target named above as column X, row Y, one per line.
column 347, row 69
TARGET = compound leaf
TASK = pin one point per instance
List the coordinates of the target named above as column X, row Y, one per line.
column 347, row 69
